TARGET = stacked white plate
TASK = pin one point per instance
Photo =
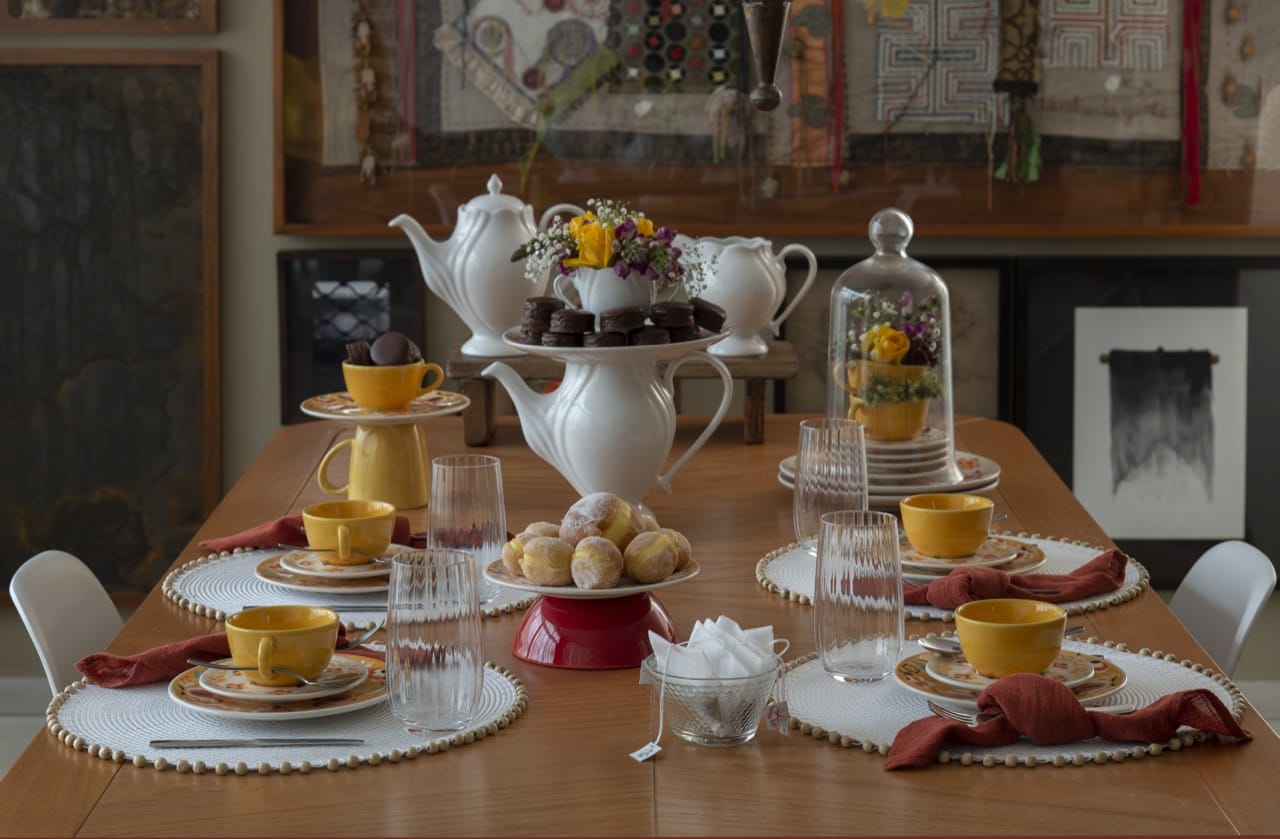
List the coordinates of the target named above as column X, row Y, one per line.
column 896, row 470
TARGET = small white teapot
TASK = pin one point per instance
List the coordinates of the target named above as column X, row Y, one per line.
column 748, row 280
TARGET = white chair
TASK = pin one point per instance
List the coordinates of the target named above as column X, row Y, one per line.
column 1220, row 599
column 67, row 612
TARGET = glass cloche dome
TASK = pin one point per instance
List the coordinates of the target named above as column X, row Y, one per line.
column 889, row 353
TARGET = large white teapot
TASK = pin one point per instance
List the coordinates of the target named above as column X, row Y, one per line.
column 472, row 270
column 749, row 281
column 609, row 426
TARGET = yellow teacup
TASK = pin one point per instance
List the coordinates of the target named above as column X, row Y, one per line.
column 390, row 387
column 946, row 524
column 343, row 527
column 297, row 638
column 1010, row 635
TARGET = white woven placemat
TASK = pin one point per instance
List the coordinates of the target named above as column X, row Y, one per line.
column 118, row 725
column 789, row 571
column 222, row 584
column 869, row 716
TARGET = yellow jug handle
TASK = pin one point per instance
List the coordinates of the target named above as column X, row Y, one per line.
column 322, row 472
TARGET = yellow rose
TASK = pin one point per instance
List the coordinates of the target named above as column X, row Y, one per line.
column 644, row 227
column 595, row 246
column 885, row 344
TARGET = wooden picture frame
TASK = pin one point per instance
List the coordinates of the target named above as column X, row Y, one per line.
column 82, row 17
column 330, row 297
column 1047, row 293
column 426, row 160
column 113, row 305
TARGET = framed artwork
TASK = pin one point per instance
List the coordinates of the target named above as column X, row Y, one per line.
column 384, row 108
column 109, row 231
column 141, row 17
column 977, row 289
column 1151, row 303
column 329, row 298
column 1159, row 430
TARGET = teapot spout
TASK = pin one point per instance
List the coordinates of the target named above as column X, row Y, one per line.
column 533, row 407
column 431, row 255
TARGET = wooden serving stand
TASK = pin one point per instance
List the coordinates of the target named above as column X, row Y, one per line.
column 478, row 419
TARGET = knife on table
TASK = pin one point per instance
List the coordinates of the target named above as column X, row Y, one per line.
column 255, row 741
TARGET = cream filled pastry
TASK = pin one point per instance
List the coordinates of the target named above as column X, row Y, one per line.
column 650, row 558
column 601, row 514
column 546, row 561
column 596, row 563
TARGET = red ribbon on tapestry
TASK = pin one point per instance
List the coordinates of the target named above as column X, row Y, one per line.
column 1192, row 12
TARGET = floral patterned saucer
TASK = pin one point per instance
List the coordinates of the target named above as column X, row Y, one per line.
column 1024, row 561
column 1070, row 668
column 272, row 571
column 340, row 406
column 313, row 564
column 185, row 690
column 912, row 673
column 235, row 684
column 996, row 551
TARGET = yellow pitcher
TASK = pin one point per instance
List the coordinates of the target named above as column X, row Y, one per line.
column 388, row 463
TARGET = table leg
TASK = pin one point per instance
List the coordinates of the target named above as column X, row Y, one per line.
column 478, row 420
column 753, row 412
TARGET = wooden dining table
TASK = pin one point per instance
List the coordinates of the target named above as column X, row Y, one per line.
column 563, row 767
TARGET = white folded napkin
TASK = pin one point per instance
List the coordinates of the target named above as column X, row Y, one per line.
column 716, row 649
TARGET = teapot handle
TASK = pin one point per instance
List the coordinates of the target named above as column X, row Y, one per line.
column 726, row 397
column 776, row 323
column 551, row 211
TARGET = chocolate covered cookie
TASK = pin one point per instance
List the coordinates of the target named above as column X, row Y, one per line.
column 673, row 313
column 647, row 335
column 707, row 314
column 604, row 339
column 623, row 320
column 539, row 309
column 561, row 339
column 683, row 333
column 576, row 321
column 531, row 333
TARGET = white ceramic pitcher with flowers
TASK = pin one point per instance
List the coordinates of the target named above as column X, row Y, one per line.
column 749, row 281
column 610, row 257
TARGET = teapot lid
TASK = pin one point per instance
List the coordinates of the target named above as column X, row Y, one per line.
column 495, row 201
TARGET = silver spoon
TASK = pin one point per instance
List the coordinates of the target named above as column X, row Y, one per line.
column 349, row 644
column 951, row 646
column 336, row 681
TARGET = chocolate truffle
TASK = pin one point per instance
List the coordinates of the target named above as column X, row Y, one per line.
column 394, row 348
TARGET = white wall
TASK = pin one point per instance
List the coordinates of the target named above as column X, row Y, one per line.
column 250, row 351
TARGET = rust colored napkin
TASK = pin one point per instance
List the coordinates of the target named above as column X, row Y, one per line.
column 1048, row 713
column 1103, row 573
column 288, row 530
column 168, row 660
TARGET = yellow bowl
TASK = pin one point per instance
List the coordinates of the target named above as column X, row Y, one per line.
column 341, row 528
column 1010, row 635
column 947, row 525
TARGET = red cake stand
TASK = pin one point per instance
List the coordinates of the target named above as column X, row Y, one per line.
column 590, row 629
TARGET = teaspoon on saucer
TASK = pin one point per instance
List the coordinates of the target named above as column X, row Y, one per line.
column 330, row 682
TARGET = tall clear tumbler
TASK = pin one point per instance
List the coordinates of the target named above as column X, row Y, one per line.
column 467, row 511
column 831, row 474
column 857, row 597
column 435, row 655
